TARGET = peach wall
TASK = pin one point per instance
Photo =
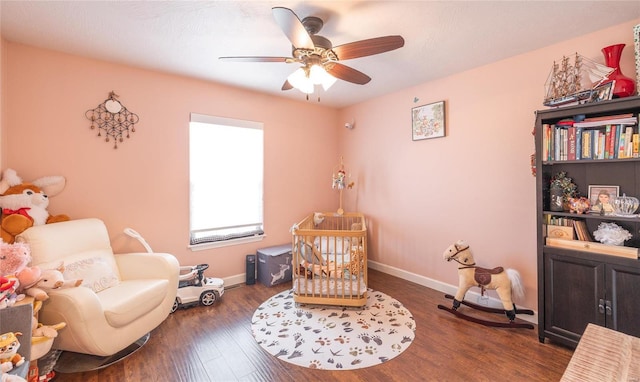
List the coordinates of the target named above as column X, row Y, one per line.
column 474, row 184
column 144, row 183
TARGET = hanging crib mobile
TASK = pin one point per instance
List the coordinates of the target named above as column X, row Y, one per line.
column 339, row 182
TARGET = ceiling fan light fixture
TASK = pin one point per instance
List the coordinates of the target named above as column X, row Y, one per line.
column 301, row 81
column 305, row 79
column 319, row 76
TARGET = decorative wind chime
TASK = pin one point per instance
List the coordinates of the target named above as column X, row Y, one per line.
column 340, row 179
column 112, row 118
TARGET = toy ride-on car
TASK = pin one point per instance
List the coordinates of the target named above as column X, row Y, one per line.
column 194, row 288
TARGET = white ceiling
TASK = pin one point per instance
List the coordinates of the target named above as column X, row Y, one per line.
column 187, row 37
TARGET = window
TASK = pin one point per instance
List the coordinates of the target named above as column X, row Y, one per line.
column 226, row 178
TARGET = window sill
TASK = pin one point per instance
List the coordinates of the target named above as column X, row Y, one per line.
column 225, row 243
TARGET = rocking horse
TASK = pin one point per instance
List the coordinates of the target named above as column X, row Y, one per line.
column 505, row 282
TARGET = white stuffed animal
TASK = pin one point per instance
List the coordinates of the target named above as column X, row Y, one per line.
column 51, row 279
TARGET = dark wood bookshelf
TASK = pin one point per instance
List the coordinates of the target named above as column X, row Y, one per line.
column 577, row 287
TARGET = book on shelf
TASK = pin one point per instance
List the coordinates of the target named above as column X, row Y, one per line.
column 628, row 148
column 601, row 148
column 615, row 143
column 607, row 140
column 571, row 138
column 545, row 141
column 608, row 117
column 581, row 230
column 632, row 120
column 593, row 247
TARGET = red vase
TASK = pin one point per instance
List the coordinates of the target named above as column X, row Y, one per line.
column 624, row 85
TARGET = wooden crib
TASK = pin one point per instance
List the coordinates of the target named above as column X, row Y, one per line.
column 330, row 259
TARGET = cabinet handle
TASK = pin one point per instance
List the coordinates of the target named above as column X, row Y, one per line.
column 608, row 307
column 601, row 306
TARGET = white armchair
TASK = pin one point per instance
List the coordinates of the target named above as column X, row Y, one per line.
column 123, row 296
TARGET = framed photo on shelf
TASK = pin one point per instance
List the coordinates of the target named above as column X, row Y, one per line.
column 601, row 198
column 427, row 121
column 603, row 92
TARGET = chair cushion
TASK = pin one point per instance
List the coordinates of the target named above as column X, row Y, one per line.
column 97, row 271
column 132, row 299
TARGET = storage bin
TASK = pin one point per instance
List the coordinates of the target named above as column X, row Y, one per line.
column 274, row 265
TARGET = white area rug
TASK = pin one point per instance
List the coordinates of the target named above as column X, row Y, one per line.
column 330, row 337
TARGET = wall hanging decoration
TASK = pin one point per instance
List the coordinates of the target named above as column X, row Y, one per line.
column 427, row 121
column 112, row 118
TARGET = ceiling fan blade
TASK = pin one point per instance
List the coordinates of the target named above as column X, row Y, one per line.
column 287, row 85
column 256, row 59
column 292, row 28
column 368, row 47
column 348, row 74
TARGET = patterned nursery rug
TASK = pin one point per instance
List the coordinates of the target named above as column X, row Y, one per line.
column 329, row 337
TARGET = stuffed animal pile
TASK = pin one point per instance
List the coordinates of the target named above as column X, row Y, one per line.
column 17, row 276
column 14, row 260
column 23, row 205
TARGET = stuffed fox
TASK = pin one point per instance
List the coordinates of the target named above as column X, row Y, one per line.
column 25, row 204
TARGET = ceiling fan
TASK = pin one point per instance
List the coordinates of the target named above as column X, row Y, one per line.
column 318, row 58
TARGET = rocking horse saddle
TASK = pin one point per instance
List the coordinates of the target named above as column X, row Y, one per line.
column 483, row 275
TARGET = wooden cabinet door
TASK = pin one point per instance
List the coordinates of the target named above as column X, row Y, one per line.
column 623, row 293
column 573, row 289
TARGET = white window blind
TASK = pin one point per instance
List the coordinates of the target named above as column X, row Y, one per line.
column 226, row 178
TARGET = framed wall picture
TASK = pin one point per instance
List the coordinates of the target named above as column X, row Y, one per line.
column 601, row 198
column 427, row 121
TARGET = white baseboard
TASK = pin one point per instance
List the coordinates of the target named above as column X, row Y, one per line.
column 236, row 280
column 472, row 296
column 443, row 287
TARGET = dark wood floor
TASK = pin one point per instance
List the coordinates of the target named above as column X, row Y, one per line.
column 215, row 343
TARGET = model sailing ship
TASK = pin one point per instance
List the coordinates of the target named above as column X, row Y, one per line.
column 574, row 82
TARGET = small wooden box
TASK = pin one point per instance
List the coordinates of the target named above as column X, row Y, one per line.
column 560, row 232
